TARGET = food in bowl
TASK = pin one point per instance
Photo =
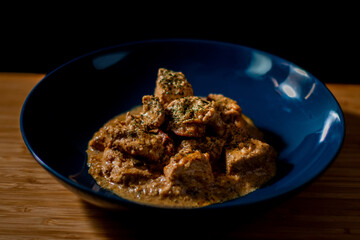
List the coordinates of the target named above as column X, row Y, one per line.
column 181, row 150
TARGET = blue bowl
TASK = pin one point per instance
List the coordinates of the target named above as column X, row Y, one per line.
column 297, row 113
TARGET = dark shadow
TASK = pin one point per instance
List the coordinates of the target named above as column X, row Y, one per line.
column 352, row 128
column 282, row 169
column 282, row 166
column 274, row 140
column 176, row 224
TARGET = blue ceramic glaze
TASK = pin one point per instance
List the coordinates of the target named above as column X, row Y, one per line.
column 299, row 115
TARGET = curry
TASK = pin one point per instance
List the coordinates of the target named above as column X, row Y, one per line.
column 181, row 150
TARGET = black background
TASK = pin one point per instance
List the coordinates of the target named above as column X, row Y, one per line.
column 323, row 41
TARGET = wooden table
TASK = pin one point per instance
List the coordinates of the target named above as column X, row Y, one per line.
column 33, row 205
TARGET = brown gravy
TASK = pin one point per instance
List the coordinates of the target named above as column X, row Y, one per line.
column 178, row 150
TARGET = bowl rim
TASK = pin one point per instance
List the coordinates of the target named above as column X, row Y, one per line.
column 123, row 201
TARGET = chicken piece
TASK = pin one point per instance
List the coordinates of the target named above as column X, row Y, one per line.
column 189, row 130
column 123, row 169
column 230, row 123
column 129, row 175
column 130, row 136
column 99, row 141
column 171, row 85
column 153, row 114
column 252, row 156
column 227, row 111
column 190, row 110
column 252, row 130
column 211, row 145
column 237, row 129
column 154, row 146
column 188, row 116
column 119, row 128
column 192, row 170
column 227, row 107
column 240, row 131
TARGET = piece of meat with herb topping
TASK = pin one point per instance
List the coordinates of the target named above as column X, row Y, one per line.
column 229, row 122
column 130, row 136
column 171, row 85
column 209, row 144
column 227, row 110
column 154, row 146
column 227, row 107
column 188, row 116
column 153, row 114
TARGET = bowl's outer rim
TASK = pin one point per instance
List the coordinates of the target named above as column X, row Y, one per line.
column 174, row 40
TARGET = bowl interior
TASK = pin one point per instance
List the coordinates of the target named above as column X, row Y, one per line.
column 298, row 114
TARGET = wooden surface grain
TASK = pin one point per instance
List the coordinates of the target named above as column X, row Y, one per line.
column 33, row 205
